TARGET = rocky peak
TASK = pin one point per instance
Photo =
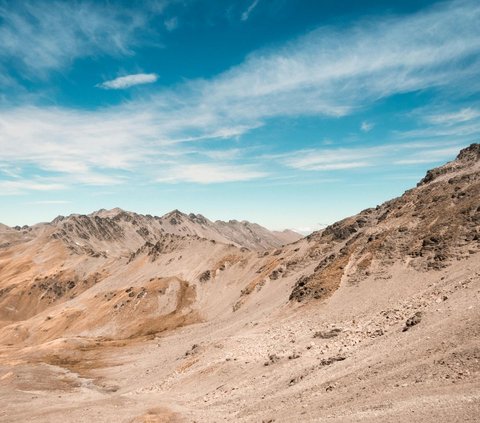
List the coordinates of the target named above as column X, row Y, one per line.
column 108, row 213
column 198, row 218
column 175, row 217
column 57, row 220
column 470, row 153
column 467, row 157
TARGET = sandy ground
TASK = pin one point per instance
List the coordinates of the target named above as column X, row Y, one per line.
column 346, row 359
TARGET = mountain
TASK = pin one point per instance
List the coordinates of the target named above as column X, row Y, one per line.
column 428, row 227
column 132, row 229
column 117, row 316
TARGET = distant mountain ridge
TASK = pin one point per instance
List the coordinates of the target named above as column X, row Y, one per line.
column 133, row 229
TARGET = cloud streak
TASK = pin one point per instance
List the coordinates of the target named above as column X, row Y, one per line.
column 452, row 118
column 378, row 156
column 16, row 187
column 38, row 41
column 246, row 14
column 48, row 202
column 128, row 81
column 210, row 173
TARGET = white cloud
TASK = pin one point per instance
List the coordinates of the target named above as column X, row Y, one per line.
column 330, row 72
column 246, row 14
column 128, row 81
column 446, row 123
column 10, row 171
column 110, row 147
column 366, row 126
column 88, row 147
column 20, row 186
column 333, row 73
column 48, row 202
column 229, row 154
column 430, row 155
column 171, row 24
column 381, row 155
column 331, row 159
column 211, row 173
column 41, row 38
column 468, row 131
column 452, row 118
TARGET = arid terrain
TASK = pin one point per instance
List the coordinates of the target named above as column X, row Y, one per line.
column 121, row 317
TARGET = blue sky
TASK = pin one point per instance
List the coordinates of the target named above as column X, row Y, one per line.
column 292, row 114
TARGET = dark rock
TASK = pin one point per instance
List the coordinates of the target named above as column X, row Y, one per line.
column 272, row 359
column 295, row 380
column 327, row 334
column 143, row 232
column 193, row 350
column 470, row 153
column 331, row 360
column 340, row 230
column 412, row 321
column 205, row 276
column 431, row 175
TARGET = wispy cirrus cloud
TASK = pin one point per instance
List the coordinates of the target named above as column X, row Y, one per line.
column 331, row 72
column 9, row 187
column 128, row 81
column 331, row 158
column 79, row 147
column 361, row 157
column 446, row 123
column 366, row 126
column 451, row 118
column 208, row 173
column 171, row 24
column 49, row 202
column 107, row 148
column 430, row 155
column 37, row 41
column 328, row 72
column 246, row 13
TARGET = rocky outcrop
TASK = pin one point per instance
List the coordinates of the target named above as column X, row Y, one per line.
column 426, row 228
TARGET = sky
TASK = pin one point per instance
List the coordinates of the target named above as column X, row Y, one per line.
column 288, row 113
